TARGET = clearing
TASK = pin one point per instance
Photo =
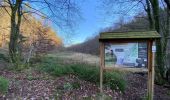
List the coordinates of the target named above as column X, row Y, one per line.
column 32, row 83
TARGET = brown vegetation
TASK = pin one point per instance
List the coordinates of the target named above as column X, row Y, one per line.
column 33, row 33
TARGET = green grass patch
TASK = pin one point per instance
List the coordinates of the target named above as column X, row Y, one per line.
column 3, row 85
column 86, row 72
column 115, row 80
column 56, row 67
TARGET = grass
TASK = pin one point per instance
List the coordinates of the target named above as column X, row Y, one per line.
column 3, row 85
column 115, row 80
column 56, row 67
column 86, row 72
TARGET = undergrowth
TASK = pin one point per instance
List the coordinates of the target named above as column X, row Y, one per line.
column 56, row 67
column 3, row 85
column 4, row 57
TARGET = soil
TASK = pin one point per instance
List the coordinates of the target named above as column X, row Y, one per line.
column 137, row 88
column 32, row 84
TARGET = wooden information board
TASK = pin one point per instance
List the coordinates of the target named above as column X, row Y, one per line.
column 131, row 51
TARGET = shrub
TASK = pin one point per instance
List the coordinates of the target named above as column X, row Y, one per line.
column 3, row 85
column 61, row 70
column 90, row 73
column 55, row 69
column 86, row 72
column 18, row 66
column 115, row 80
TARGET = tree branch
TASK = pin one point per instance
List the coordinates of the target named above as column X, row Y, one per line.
column 4, row 7
column 167, row 3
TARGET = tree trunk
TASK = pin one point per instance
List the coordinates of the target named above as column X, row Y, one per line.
column 13, row 36
column 167, row 32
column 160, row 64
column 15, row 30
column 148, row 10
column 168, row 16
column 167, row 3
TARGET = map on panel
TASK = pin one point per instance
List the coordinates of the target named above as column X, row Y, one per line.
column 126, row 55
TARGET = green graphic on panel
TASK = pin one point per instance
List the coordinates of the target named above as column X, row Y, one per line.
column 125, row 55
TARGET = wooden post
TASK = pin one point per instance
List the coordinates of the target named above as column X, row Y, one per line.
column 151, row 65
column 101, row 66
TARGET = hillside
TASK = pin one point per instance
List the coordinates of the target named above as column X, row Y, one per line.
column 91, row 46
column 33, row 32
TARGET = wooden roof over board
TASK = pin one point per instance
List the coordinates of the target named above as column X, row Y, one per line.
column 129, row 35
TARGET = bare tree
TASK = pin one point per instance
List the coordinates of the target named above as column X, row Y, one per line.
column 61, row 12
column 149, row 14
column 152, row 8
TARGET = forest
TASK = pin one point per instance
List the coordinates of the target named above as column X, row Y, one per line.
column 37, row 62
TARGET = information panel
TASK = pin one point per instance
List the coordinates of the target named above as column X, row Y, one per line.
column 126, row 54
